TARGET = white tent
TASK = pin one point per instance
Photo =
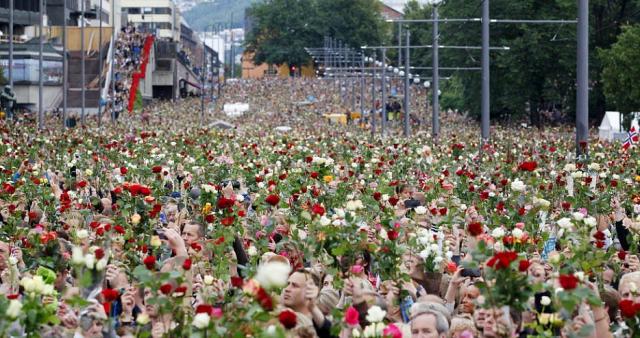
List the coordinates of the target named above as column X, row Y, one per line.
column 611, row 126
column 235, row 109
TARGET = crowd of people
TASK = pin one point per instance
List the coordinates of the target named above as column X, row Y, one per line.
column 164, row 227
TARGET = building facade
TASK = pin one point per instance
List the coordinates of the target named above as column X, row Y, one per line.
column 161, row 17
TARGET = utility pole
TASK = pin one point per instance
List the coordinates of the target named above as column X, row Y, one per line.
column 582, row 99
column 65, row 69
column 100, row 67
column 11, row 5
column 384, row 93
column 113, row 57
column 485, row 73
column 407, row 100
column 373, row 96
column 82, row 71
column 362, row 83
column 435, row 105
column 40, row 75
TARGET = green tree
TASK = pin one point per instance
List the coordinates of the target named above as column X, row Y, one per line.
column 281, row 29
column 539, row 70
column 621, row 71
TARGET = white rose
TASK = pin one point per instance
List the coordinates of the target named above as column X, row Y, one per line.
column 14, row 309
column 518, row 185
column 497, row 233
column 375, row 314
column 591, row 221
column 101, row 264
column 324, row 221
column 47, row 289
column 89, row 261
column 88, row 172
column 578, row 216
column 252, row 251
column 201, row 320
column 273, row 275
column 337, row 223
column 420, row 210
column 355, row 333
column 38, row 284
column 565, row 222
column 208, row 280
column 143, row 319
column 340, row 213
column 438, row 259
column 517, row 233
column 13, row 260
column 545, row 301
column 271, row 330
column 28, row 284
column 77, row 256
column 82, row 234
column 594, row 167
column 239, row 198
column 424, row 254
column 570, row 167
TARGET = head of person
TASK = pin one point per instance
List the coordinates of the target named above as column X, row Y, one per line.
column 4, row 255
column 629, row 283
column 469, row 295
column 537, row 272
column 7, row 89
column 192, row 233
column 92, row 321
column 428, row 322
column 294, row 294
column 414, row 265
column 500, row 322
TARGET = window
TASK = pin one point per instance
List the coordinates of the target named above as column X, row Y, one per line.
column 27, row 70
column 133, row 10
column 147, row 10
column 162, row 10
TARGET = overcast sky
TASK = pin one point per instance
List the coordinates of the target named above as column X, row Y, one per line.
column 399, row 4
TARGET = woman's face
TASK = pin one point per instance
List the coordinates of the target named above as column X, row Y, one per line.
column 467, row 303
column 538, row 273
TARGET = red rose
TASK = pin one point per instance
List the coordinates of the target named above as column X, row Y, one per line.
column 180, row 291
column 99, row 253
column 145, row 191
column 150, row 262
column 599, row 235
column 81, row 184
column 204, row 308
column 264, row 299
column 187, row 264
column 314, row 175
column 33, row 215
column 166, row 288
column 210, row 218
column 627, row 308
column 377, row 195
column 523, row 266
column 502, row 260
column 568, row 282
column 123, row 171
column 156, row 170
column 237, row 282
column 600, row 244
column 622, row 255
column 110, row 295
column 288, row 319
column 196, row 246
column 119, row 229
column 528, row 166
column 442, row 211
column 241, row 213
column 273, row 200
column 613, row 183
column 566, row 206
column 393, row 200
column 392, row 235
column 227, row 221
column 317, row 209
column 475, row 229
column 484, row 195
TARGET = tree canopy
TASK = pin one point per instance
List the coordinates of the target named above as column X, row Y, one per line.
column 281, row 29
column 539, row 70
column 621, row 71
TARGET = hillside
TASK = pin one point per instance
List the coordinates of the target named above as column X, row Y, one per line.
column 217, row 11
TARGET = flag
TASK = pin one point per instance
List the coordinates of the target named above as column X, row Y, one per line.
column 632, row 138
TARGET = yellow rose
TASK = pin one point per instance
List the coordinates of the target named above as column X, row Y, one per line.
column 206, row 209
column 155, row 241
column 638, row 178
column 135, row 219
column 328, row 178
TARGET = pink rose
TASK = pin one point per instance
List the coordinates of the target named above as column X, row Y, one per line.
column 357, row 269
column 520, row 225
column 351, row 316
column 392, row 331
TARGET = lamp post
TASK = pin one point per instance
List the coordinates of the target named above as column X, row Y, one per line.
column 41, row 75
column 406, row 86
column 435, row 130
column 82, row 65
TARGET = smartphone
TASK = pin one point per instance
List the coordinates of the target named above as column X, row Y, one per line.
column 160, row 233
column 474, row 273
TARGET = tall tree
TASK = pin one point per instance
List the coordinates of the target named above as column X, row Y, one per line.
column 621, row 71
column 283, row 28
column 539, row 70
